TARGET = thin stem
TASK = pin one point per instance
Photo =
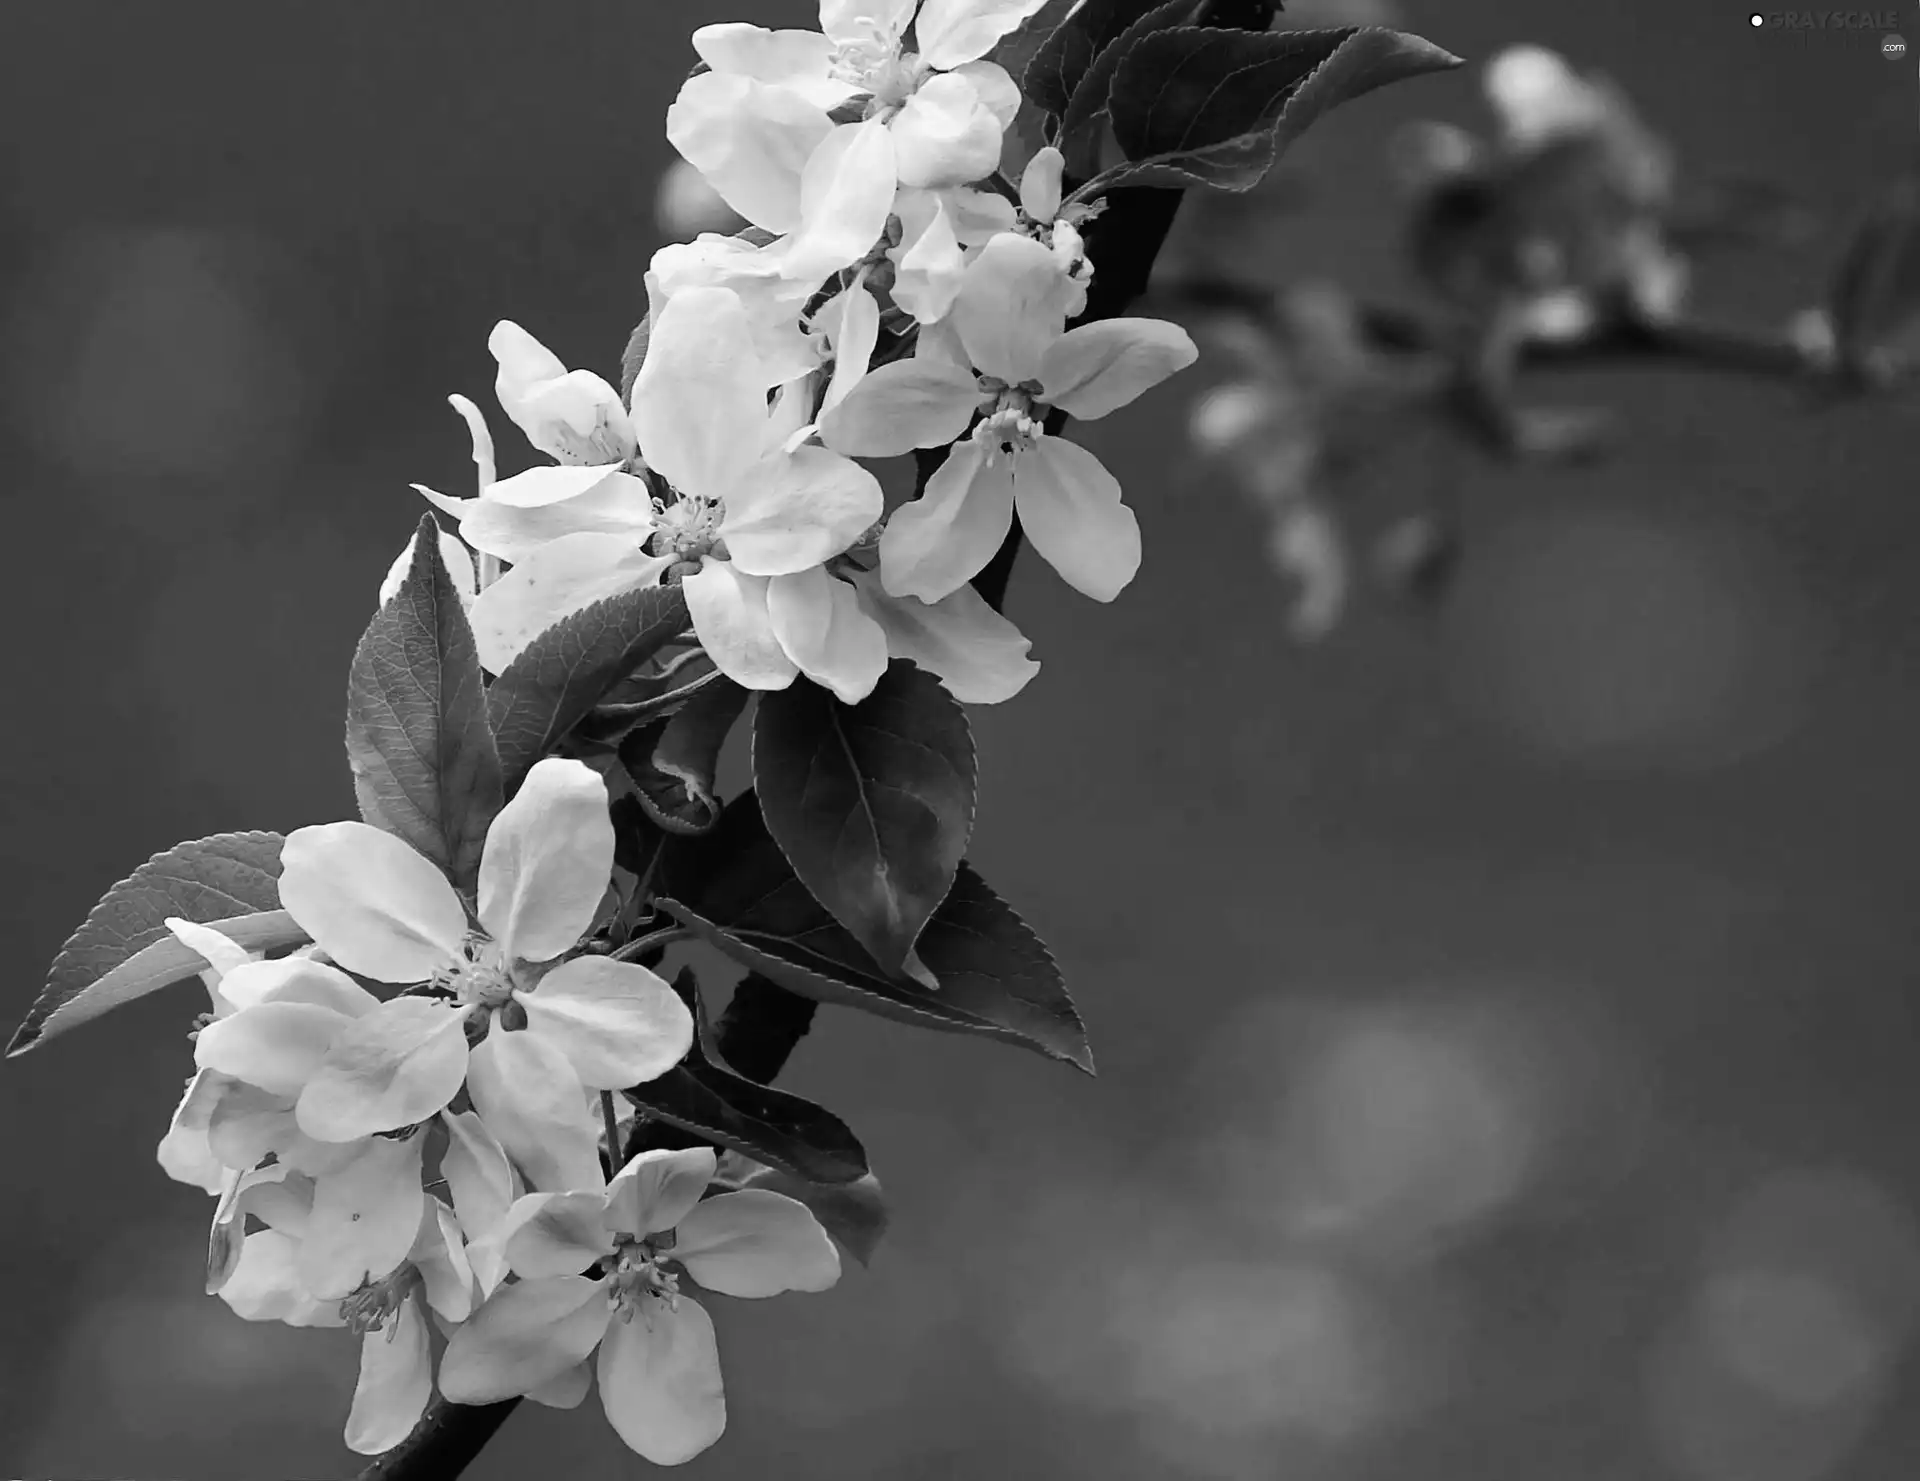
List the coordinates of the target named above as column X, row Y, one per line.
column 611, row 1120
column 640, row 946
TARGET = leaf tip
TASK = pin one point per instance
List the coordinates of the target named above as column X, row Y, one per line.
column 25, row 1037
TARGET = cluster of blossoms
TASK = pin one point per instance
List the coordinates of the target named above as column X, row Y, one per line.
column 895, row 292
column 333, row 1120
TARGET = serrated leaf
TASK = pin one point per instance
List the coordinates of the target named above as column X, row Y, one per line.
column 424, row 764
column 1195, row 106
column 871, row 803
column 123, row 950
column 672, row 762
column 736, row 890
column 854, row 1213
column 1084, row 123
column 642, row 701
column 1061, row 62
column 783, row 1130
column 632, row 356
column 560, row 676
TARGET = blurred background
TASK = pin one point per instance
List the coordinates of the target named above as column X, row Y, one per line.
column 1505, row 1011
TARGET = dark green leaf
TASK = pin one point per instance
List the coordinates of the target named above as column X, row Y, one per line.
column 633, row 356
column 561, row 675
column 643, row 701
column 735, row 888
column 1084, row 123
column 1195, row 106
column 871, row 803
column 424, row 764
column 1061, row 62
column 123, row 950
column 783, row 1130
column 672, row 762
column 854, row 1213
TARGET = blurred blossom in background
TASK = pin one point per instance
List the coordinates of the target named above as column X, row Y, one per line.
column 1504, row 1008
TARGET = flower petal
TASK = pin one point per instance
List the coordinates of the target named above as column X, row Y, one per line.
column 846, row 195
column 1099, row 368
column 552, row 1234
column 756, row 1243
column 950, row 32
column 440, row 1255
column 929, row 264
column 796, row 59
column 938, row 542
column 820, row 624
column 729, row 611
column 617, row 1023
column 370, row 902
column 751, row 140
column 944, row 136
column 907, row 404
column 246, row 1123
column 396, row 1380
column 525, row 1336
column 296, row 979
column 656, row 1189
column 1011, row 306
column 1040, row 184
column 530, row 1098
column 365, row 1218
column 553, row 582
column 852, row 321
column 520, row 514
column 700, row 401
column 275, row 1047
column 184, row 1153
column 547, row 860
column 222, row 952
column 572, row 415
column 453, row 555
column 798, row 509
column 979, row 655
column 660, row 1381
column 566, row 1391
column 399, row 1065
column 265, row 1285
column 1070, row 509
column 481, row 1182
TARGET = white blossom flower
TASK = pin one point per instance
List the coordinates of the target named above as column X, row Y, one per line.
column 756, row 515
column 760, row 124
column 389, row 1315
column 773, row 302
column 384, row 911
column 658, row 1367
column 1009, row 321
column 979, row 655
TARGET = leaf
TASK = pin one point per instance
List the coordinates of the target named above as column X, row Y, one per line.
column 123, row 950
column 783, row 1130
column 735, row 889
column 871, row 803
column 1084, row 123
column 1196, row 106
column 561, row 675
column 854, row 1213
column 424, row 764
column 633, row 357
column 672, row 762
column 1061, row 62
column 652, row 699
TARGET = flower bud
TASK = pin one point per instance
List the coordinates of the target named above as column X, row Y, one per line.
column 1040, row 184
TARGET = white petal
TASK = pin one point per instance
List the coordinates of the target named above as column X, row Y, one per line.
column 572, row 415
column 699, row 402
column 995, row 88
column 525, row 1336
column 751, row 141
column 365, row 1218
column 729, row 610
column 481, row 438
column 183, row 1153
column 866, row 21
column 852, row 321
column 938, row 542
column 396, row 1380
column 660, row 1381
column 657, row 1189
column 547, row 861
column 979, row 655
column 517, row 516
column 1012, row 305
column 395, row 1067
column 551, row 1234
column 617, row 1023
column 530, row 1098
column 929, row 263
column 798, row 509
column 552, row 583
column 1099, row 368
column 820, row 624
column 370, row 902
column 265, row 1285
column 481, row 1182
column 440, row 1255
column 944, row 136
column 1040, row 184
column 907, row 404
column 247, row 1122
column 1070, row 509
column 793, row 58
column 756, row 1243
column 296, row 979
column 276, row 1046
column 846, row 195
column 222, row 952
column 951, row 32
column 566, row 1391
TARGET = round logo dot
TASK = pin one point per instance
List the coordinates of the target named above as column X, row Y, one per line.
column 1893, row 47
